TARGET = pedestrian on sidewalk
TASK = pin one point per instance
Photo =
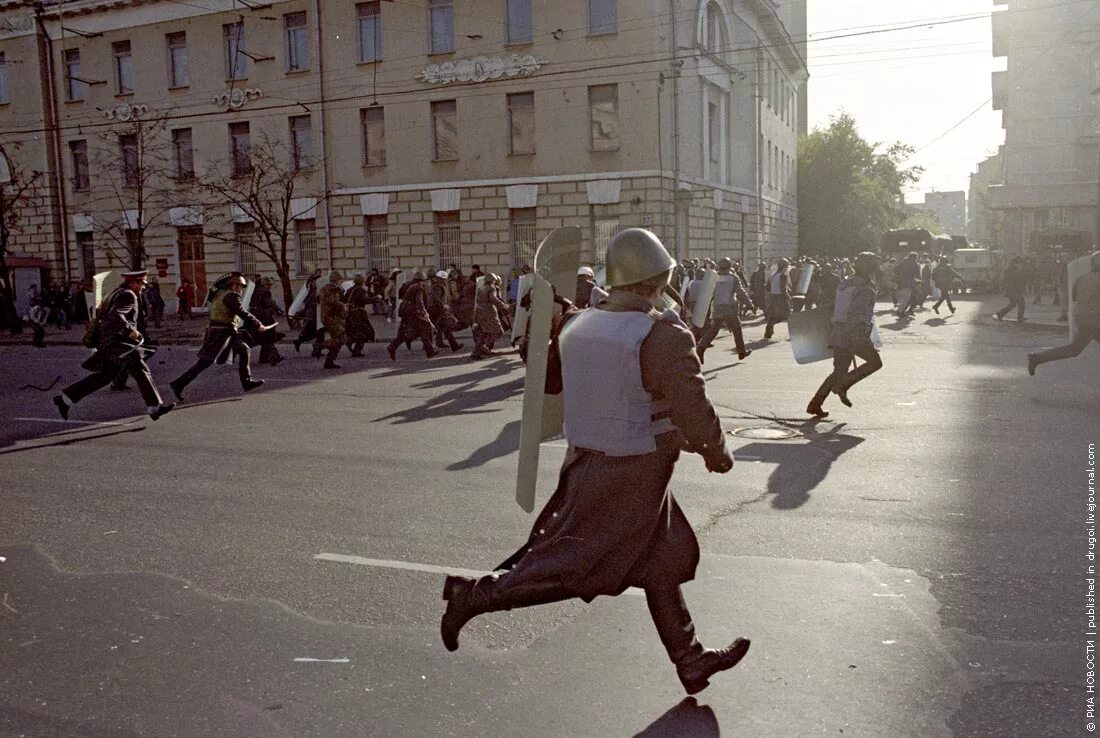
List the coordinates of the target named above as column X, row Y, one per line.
column 154, row 302
column 185, row 295
column 1086, row 319
column 633, row 398
column 853, row 318
column 223, row 335
column 1015, row 281
column 118, row 345
column 37, row 317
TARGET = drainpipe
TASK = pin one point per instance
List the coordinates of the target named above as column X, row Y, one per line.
column 318, row 36
column 759, row 155
column 677, row 63
column 54, row 159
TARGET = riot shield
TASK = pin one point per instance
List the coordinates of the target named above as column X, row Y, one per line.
column 702, row 302
column 804, row 278
column 103, row 284
column 299, row 301
column 556, row 261
column 1076, row 268
column 811, row 331
column 249, row 290
column 519, row 325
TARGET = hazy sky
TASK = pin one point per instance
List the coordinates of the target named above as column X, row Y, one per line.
column 909, row 85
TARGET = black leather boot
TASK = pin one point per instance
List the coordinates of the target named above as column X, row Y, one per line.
column 695, row 665
column 467, row 598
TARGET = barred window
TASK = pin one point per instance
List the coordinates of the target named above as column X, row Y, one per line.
column 524, row 241
column 377, row 245
column 244, row 238
column 605, row 229
column 448, row 238
column 305, row 234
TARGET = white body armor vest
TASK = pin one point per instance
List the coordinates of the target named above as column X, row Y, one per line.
column 607, row 409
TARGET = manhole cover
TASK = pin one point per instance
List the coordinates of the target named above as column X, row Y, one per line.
column 766, row 433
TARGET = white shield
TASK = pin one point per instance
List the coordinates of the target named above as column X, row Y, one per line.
column 1079, row 267
column 804, row 278
column 703, row 299
column 556, row 262
column 519, row 325
column 811, row 331
column 103, row 284
column 298, row 302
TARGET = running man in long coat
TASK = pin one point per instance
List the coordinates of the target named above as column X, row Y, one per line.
column 118, row 345
column 359, row 328
column 634, row 398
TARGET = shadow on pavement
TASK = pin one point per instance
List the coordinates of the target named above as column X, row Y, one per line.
column 688, row 719
column 506, row 442
column 797, row 472
column 32, row 446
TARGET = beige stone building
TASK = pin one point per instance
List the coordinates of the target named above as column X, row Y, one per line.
column 415, row 134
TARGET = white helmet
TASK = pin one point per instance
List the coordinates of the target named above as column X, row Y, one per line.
column 586, row 271
column 443, row 274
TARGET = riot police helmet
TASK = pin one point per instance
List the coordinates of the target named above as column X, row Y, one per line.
column 725, row 263
column 636, row 255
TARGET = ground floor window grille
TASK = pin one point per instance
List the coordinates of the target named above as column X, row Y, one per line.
column 448, row 239
column 244, row 239
column 377, row 246
column 524, row 241
column 605, row 229
column 305, row 234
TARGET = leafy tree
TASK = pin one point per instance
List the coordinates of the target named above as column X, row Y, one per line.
column 922, row 219
column 849, row 190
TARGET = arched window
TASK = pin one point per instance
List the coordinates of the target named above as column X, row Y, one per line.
column 713, row 34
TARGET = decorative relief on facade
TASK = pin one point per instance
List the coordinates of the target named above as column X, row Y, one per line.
column 21, row 23
column 237, row 97
column 481, row 68
column 126, row 112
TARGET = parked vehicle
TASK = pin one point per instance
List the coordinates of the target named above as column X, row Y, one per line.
column 980, row 268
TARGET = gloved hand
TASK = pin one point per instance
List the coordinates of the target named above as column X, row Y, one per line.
column 721, row 462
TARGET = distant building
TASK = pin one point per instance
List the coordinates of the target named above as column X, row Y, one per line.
column 1048, row 99
column 949, row 209
column 421, row 133
column 983, row 224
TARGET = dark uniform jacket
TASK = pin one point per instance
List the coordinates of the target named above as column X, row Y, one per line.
column 854, row 326
column 123, row 315
column 612, row 523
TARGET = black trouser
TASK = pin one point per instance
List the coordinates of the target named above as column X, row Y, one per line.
column 309, row 328
column 945, row 296
column 39, row 335
column 841, row 378
column 217, row 341
column 672, row 618
column 107, row 372
column 410, row 330
column 1085, row 336
column 731, row 322
column 1014, row 301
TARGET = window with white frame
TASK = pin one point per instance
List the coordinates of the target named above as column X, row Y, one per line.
column 79, row 152
column 602, row 16
column 124, row 68
column 448, row 238
column 373, row 120
column 301, row 141
column 377, row 244
column 370, row 31
column 441, row 25
column 520, row 23
column 128, row 155
column 244, row 240
column 74, row 85
column 305, row 237
column 236, row 61
column 179, row 72
column 297, row 42
column 445, row 129
column 183, row 153
column 524, row 237
column 4, row 79
column 603, row 108
column 715, row 34
column 521, row 122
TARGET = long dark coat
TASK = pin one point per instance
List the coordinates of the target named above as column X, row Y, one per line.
column 612, row 522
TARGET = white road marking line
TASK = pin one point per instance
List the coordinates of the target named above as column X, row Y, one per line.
column 322, row 661
column 886, row 594
column 88, row 423
column 429, row 568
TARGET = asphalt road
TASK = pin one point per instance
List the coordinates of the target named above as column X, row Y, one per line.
column 912, row 566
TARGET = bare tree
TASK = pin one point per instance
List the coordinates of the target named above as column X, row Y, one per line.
column 16, row 188
column 138, row 175
column 261, row 184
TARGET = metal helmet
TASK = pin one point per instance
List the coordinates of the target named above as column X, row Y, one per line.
column 237, row 279
column 443, row 274
column 586, row 271
column 1095, row 259
column 635, row 255
column 336, row 277
column 725, row 263
column 783, row 263
column 866, row 261
column 418, row 275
